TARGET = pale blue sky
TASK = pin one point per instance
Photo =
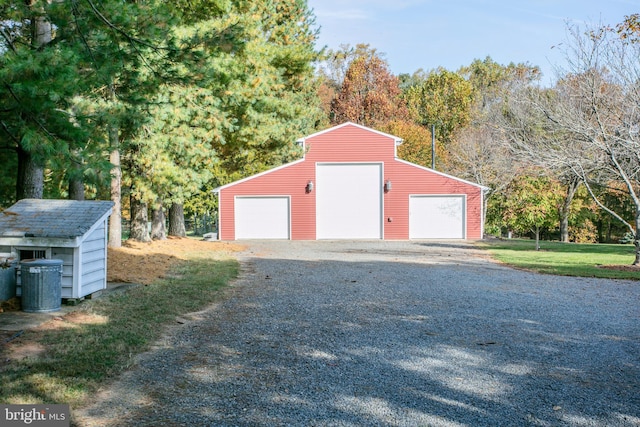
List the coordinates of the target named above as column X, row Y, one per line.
column 426, row 34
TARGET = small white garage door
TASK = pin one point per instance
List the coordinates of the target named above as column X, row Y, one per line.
column 349, row 201
column 262, row 217
column 437, row 217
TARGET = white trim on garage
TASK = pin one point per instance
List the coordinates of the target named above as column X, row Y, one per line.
column 441, row 216
column 396, row 139
column 484, row 188
column 263, row 217
column 349, row 202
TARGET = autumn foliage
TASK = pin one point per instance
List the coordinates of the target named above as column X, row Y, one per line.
column 416, row 143
column 370, row 94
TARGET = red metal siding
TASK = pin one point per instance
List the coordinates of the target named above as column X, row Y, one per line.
column 350, row 143
column 409, row 180
column 291, row 181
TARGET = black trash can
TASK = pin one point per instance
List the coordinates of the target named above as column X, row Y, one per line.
column 7, row 279
column 41, row 281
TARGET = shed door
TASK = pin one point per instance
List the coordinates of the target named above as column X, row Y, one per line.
column 262, row 217
column 437, row 217
column 349, row 201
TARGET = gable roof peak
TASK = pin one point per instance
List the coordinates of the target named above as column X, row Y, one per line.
column 397, row 140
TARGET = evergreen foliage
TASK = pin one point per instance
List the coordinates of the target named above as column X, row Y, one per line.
column 181, row 97
column 191, row 94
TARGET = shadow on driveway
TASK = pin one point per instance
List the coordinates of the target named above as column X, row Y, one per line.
column 360, row 334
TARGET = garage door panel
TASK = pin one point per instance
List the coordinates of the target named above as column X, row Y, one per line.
column 349, row 201
column 437, row 217
column 262, row 217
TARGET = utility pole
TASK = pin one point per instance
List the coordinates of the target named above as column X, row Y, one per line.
column 433, row 147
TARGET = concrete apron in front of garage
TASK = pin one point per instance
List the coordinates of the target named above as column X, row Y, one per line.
column 450, row 251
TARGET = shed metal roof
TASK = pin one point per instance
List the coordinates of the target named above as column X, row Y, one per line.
column 66, row 219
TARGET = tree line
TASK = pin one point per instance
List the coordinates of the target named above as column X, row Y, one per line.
column 562, row 161
column 152, row 104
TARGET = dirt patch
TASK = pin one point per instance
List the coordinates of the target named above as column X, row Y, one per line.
column 24, row 350
column 134, row 262
column 632, row 268
column 72, row 320
column 16, row 346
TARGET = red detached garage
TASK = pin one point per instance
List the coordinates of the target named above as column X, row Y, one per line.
column 350, row 185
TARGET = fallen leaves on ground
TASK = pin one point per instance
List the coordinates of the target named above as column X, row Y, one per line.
column 138, row 262
column 134, row 262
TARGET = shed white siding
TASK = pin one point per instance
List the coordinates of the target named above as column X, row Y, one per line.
column 72, row 231
column 66, row 255
column 94, row 261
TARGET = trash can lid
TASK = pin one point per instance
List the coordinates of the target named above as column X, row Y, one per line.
column 41, row 262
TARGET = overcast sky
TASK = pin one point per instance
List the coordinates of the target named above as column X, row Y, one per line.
column 426, row 34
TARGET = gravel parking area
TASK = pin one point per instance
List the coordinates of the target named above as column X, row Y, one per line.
column 390, row 334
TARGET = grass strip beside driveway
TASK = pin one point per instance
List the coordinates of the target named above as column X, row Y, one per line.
column 68, row 361
column 608, row 261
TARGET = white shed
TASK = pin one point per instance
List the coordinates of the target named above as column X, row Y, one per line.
column 70, row 230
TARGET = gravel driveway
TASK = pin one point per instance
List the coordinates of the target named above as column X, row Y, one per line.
column 390, row 334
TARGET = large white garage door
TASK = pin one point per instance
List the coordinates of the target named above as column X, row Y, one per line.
column 262, row 217
column 349, row 201
column 437, row 217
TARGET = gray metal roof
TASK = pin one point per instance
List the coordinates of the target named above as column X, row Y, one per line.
column 52, row 218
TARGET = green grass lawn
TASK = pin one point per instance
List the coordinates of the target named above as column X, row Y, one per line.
column 77, row 358
column 566, row 259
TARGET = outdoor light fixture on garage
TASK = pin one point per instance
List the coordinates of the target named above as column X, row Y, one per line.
column 342, row 189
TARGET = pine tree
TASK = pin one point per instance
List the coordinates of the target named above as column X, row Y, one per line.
column 59, row 64
column 244, row 93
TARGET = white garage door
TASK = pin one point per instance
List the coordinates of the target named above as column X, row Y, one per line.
column 437, row 217
column 262, row 217
column 349, row 201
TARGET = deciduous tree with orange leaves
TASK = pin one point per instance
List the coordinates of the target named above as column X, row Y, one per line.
column 370, row 94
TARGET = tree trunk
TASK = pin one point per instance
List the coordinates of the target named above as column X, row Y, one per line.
column 139, row 220
column 485, row 206
column 537, row 238
column 76, row 189
column 75, row 176
column 158, row 221
column 115, row 221
column 76, row 183
column 636, row 240
column 565, row 208
column 176, row 221
column 41, row 29
column 30, row 183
